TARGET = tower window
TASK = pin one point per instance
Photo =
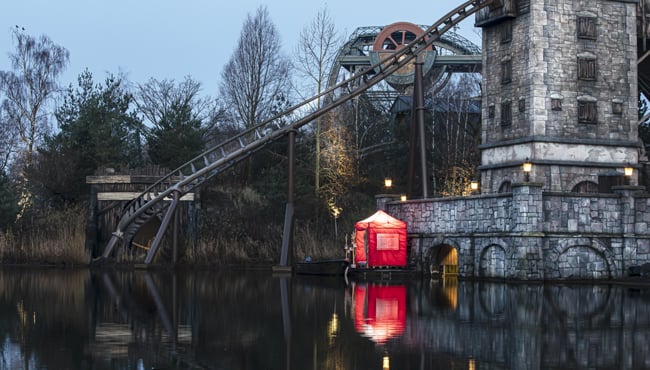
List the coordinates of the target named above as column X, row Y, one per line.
column 506, row 71
column 587, row 28
column 506, row 113
column 506, row 32
column 587, row 112
column 586, row 69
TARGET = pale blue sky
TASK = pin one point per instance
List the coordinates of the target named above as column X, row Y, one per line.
column 167, row 39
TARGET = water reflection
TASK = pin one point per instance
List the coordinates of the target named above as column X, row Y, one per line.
column 77, row 319
column 379, row 311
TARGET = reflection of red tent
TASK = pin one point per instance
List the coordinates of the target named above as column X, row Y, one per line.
column 380, row 241
column 380, row 311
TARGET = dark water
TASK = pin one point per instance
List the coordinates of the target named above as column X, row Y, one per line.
column 78, row 319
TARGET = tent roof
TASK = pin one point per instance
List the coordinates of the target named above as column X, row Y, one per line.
column 381, row 218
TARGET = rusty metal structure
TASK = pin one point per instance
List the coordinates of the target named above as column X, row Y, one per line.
column 161, row 199
column 366, row 46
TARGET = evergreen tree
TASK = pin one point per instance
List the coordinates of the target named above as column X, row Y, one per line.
column 97, row 129
column 8, row 203
column 176, row 138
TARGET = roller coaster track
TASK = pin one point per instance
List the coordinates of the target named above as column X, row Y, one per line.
column 162, row 197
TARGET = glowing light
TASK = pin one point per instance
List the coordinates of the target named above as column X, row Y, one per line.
column 628, row 170
column 403, row 198
column 527, row 167
column 385, row 363
column 473, row 185
column 388, row 183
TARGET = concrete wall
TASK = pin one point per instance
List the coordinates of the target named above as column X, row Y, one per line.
column 531, row 234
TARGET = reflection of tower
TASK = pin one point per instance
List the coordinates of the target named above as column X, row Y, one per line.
column 560, row 88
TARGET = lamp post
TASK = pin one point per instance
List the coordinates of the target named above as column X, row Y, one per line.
column 388, row 183
column 527, row 167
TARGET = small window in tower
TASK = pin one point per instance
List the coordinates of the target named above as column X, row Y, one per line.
column 586, row 69
column 556, row 102
column 491, row 111
column 506, row 113
column 587, row 28
column 617, row 106
column 522, row 105
column 587, row 111
column 506, row 32
column 506, row 71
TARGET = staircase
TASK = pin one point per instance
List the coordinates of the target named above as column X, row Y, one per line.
column 161, row 198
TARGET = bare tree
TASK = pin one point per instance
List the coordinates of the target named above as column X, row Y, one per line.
column 36, row 65
column 180, row 117
column 157, row 98
column 256, row 74
column 28, row 87
column 456, row 135
column 7, row 141
column 315, row 55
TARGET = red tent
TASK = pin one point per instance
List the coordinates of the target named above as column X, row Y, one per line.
column 380, row 240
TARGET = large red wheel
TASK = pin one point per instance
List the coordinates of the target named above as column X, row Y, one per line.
column 395, row 36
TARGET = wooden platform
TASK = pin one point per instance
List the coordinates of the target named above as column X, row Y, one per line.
column 381, row 273
column 324, row 267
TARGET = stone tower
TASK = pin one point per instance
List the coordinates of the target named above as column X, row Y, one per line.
column 559, row 89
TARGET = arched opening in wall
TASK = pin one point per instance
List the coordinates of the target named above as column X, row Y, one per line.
column 444, row 261
column 493, row 262
column 506, row 187
column 585, row 187
column 582, row 262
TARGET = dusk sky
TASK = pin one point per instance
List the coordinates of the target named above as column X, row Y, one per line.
column 167, row 39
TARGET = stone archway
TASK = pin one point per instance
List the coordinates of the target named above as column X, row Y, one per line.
column 582, row 262
column 580, row 258
column 493, row 262
column 443, row 260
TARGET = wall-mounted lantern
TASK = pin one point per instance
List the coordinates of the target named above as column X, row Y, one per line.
column 628, row 170
column 388, row 183
column 473, row 186
column 528, row 168
column 402, row 198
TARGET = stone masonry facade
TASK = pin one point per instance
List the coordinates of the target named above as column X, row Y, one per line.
column 559, row 89
column 530, row 234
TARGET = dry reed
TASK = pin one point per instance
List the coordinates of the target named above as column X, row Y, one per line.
column 57, row 237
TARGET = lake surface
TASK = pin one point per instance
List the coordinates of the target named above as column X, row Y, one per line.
column 81, row 319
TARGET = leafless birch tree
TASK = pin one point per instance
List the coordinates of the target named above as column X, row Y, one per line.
column 314, row 55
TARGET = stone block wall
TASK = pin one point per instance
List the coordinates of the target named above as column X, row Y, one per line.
column 536, row 90
column 532, row 235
